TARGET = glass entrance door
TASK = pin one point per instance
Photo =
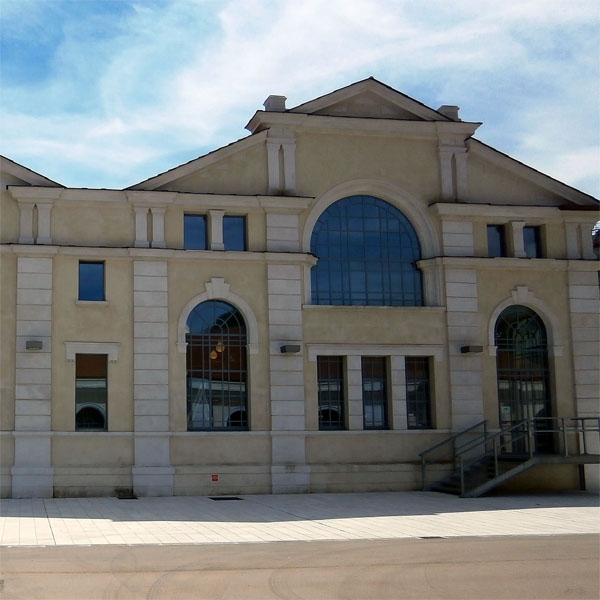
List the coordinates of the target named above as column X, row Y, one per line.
column 522, row 368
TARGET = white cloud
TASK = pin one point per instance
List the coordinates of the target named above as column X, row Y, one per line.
column 163, row 79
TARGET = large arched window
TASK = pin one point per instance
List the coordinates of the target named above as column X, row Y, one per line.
column 522, row 366
column 367, row 251
column 217, row 395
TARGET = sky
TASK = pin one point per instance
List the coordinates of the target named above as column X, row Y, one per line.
column 108, row 93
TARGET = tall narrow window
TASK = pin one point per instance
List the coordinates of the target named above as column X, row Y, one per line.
column 330, row 379
column 91, row 281
column 532, row 241
column 194, row 232
column 234, row 232
column 367, row 254
column 418, row 392
column 374, row 387
column 90, row 392
column 496, row 238
column 217, row 396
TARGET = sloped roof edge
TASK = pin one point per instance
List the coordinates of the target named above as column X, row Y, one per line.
column 330, row 98
column 537, row 177
column 32, row 177
column 196, row 163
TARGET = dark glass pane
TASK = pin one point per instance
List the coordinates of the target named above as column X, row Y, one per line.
column 522, row 370
column 418, row 399
column 356, row 236
column 374, row 387
column 216, row 368
column 496, row 241
column 91, row 281
column 330, row 381
column 90, row 391
column 194, row 232
column 234, row 233
column 532, row 242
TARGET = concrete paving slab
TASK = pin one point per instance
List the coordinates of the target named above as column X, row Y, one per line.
column 302, row 517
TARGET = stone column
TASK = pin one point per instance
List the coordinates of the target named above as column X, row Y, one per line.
column 584, row 304
column 152, row 473
column 354, row 391
column 399, row 411
column 32, row 473
column 289, row 471
column 464, row 329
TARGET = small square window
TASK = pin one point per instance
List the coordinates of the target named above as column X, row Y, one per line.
column 194, row 232
column 91, row 281
column 532, row 241
column 496, row 241
column 234, row 233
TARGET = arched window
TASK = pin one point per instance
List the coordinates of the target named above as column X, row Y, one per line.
column 522, row 366
column 367, row 251
column 217, row 395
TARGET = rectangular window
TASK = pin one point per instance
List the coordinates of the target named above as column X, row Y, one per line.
column 330, row 381
column 234, row 233
column 496, row 240
column 374, row 387
column 194, row 232
column 90, row 392
column 532, row 241
column 91, row 281
column 418, row 392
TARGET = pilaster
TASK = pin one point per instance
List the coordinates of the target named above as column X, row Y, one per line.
column 152, row 473
column 289, row 472
column 32, row 473
column 464, row 329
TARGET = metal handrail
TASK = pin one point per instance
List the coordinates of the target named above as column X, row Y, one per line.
column 525, row 429
column 451, row 440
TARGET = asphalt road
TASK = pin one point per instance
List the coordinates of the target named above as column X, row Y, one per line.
column 548, row 567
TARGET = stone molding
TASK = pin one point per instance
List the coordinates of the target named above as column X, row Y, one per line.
column 218, row 289
column 408, row 204
column 109, row 348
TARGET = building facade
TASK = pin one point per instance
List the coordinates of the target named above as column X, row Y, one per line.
column 304, row 310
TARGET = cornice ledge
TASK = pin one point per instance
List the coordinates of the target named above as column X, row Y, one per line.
column 474, row 210
column 484, row 262
column 151, row 197
column 264, row 120
column 33, row 193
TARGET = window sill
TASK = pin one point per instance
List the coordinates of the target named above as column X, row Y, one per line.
column 91, row 302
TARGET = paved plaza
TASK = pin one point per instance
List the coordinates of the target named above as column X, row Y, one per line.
column 306, row 517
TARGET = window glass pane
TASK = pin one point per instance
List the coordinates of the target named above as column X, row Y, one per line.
column 496, row 241
column 194, row 232
column 330, row 380
column 91, row 281
column 418, row 398
column 374, row 387
column 90, row 391
column 217, row 395
column 357, row 236
column 532, row 242
column 234, row 233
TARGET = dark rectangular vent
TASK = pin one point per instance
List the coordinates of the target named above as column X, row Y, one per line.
column 225, row 498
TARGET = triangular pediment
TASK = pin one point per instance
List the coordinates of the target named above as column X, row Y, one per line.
column 369, row 98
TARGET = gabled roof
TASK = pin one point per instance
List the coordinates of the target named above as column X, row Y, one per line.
column 27, row 176
column 370, row 98
column 197, row 163
column 372, row 104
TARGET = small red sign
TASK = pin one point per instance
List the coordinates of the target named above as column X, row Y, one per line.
column 215, row 477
